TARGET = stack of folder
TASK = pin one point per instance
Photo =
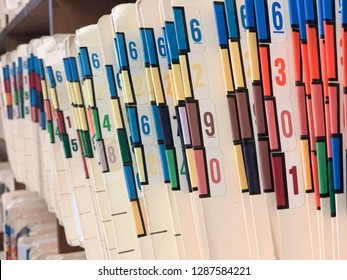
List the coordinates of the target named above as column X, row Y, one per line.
column 186, row 129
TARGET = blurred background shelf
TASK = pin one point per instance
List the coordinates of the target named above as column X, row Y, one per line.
column 48, row 17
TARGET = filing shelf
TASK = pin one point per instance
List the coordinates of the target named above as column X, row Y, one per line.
column 47, row 17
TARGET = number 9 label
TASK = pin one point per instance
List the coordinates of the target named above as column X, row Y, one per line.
column 209, row 123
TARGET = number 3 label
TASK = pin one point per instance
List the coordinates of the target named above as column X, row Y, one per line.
column 280, row 71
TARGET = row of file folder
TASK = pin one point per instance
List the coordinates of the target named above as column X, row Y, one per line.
column 27, row 225
column 30, row 229
column 188, row 129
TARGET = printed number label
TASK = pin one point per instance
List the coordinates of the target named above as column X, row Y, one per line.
column 58, row 76
column 106, row 123
column 215, row 170
column 146, row 129
column 134, row 51
column 74, row 145
column 118, row 81
column 153, row 164
column 182, row 172
column 195, row 29
column 95, row 61
column 183, row 169
column 99, row 94
column 134, row 55
column 57, row 132
column 294, row 174
column 112, row 155
column 277, row 17
column 280, row 70
column 197, row 68
column 198, row 72
column 209, row 123
column 243, row 17
column 161, row 47
column 286, row 125
column 68, row 120
column 281, row 77
column 275, row 9
column 146, row 126
column 62, row 100
column 168, row 86
column 140, row 87
column 295, row 180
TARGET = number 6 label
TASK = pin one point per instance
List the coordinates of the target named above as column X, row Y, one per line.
column 277, row 22
column 94, row 56
column 195, row 30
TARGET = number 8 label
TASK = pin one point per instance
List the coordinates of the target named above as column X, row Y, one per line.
column 113, row 158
